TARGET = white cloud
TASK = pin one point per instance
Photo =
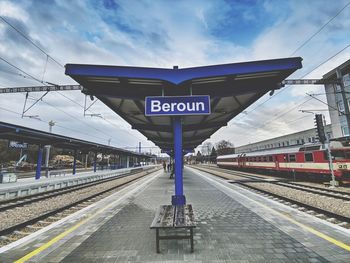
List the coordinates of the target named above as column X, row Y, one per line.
column 10, row 9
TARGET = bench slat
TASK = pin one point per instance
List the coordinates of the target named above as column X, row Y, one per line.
column 164, row 217
column 168, row 216
column 184, row 217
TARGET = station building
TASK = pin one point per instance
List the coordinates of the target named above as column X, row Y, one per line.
column 335, row 101
column 298, row 138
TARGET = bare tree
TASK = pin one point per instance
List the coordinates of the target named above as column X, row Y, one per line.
column 213, row 155
column 224, row 147
column 206, row 148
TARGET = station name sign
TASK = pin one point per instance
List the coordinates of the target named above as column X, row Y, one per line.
column 18, row 145
column 177, row 105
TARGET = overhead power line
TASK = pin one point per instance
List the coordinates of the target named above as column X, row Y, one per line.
column 21, row 70
column 64, row 127
column 36, row 79
column 319, row 30
column 75, row 118
column 31, row 41
column 319, row 65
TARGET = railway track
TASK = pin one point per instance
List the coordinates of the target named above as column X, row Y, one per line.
column 21, row 201
column 316, row 190
column 239, row 173
column 282, row 181
column 18, row 230
column 317, row 200
column 322, row 213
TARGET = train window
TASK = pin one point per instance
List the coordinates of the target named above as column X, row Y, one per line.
column 309, row 157
column 270, row 159
column 291, row 158
column 339, row 155
column 325, row 155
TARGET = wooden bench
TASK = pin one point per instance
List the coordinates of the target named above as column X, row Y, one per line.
column 173, row 217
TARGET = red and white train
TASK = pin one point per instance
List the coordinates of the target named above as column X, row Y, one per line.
column 309, row 159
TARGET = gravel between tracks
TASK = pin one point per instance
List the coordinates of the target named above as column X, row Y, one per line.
column 229, row 175
column 327, row 203
column 27, row 212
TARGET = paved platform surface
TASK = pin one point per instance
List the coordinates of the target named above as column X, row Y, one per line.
column 227, row 231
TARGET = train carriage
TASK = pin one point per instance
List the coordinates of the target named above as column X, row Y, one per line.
column 309, row 159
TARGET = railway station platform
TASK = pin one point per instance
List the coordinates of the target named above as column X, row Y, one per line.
column 29, row 186
column 233, row 225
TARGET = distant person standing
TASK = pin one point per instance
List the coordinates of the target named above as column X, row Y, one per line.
column 168, row 167
column 164, row 166
column 172, row 169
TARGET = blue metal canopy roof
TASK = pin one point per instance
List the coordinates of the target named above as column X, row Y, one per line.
column 232, row 88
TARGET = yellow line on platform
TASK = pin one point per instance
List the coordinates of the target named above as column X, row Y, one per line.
column 69, row 230
column 52, row 241
column 310, row 229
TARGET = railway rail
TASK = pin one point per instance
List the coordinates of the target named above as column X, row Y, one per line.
column 18, row 230
column 321, row 211
column 315, row 190
column 316, row 198
column 24, row 200
column 279, row 180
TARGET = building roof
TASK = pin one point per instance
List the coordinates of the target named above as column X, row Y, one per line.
column 23, row 134
column 231, row 87
column 344, row 68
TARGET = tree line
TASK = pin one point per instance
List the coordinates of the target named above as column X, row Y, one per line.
column 208, row 152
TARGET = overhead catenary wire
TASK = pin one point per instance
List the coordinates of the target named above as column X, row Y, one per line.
column 57, row 125
column 102, row 117
column 277, row 93
column 21, row 70
column 75, row 118
column 301, row 46
column 28, row 39
column 43, row 82
column 319, row 30
column 36, row 79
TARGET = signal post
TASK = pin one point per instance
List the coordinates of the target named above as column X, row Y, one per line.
column 325, row 141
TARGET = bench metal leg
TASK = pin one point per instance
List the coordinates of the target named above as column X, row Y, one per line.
column 157, row 240
column 191, row 230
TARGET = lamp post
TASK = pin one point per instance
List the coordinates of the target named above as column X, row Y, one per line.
column 48, row 148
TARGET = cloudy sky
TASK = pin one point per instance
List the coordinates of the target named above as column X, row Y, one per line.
column 162, row 34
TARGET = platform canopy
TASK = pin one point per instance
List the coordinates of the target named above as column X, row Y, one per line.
column 231, row 87
column 18, row 133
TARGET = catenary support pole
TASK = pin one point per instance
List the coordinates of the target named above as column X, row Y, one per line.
column 75, row 162
column 38, row 164
column 47, row 159
column 95, row 162
column 86, row 160
column 178, row 198
column 345, row 101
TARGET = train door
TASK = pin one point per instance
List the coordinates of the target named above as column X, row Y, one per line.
column 274, row 157
column 241, row 160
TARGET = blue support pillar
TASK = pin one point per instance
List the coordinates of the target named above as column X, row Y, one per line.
column 95, row 162
column 75, row 162
column 38, row 164
column 178, row 198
